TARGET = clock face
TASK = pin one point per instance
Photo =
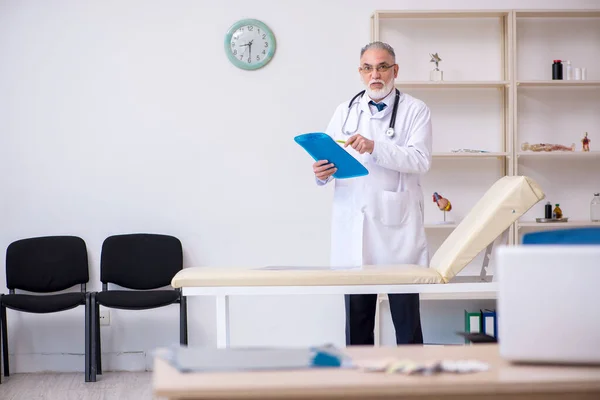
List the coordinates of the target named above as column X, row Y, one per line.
column 249, row 44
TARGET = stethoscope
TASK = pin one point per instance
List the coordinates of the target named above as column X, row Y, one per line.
column 390, row 132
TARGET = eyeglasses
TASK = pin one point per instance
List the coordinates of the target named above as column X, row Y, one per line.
column 367, row 69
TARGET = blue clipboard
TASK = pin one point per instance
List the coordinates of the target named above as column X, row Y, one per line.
column 321, row 146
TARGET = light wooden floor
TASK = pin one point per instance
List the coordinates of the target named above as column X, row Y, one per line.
column 71, row 386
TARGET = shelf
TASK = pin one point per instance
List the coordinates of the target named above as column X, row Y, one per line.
column 559, row 154
column 452, row 84
column 442, row 14
column 470, row 155
column 554, row 225
column 557, row 13
column 558, row 83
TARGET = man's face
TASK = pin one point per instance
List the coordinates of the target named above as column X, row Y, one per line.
column 378, row 83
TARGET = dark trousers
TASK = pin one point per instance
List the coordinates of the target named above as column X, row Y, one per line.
column 360, row 318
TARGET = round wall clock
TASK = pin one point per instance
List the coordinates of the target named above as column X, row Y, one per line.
column 249, row 44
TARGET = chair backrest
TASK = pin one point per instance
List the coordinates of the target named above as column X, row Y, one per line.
column 508, row 199
column 140, row 260
column 46, row 264
column 573, row 236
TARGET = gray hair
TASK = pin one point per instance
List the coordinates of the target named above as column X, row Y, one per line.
column 381, row 46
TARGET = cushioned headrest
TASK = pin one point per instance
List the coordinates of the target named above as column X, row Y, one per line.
column 507, row 200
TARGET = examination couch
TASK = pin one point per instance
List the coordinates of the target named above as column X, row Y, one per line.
column 504, row 202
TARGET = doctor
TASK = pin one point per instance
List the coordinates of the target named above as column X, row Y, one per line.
column 378, row 218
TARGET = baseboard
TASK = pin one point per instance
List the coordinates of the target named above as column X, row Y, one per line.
column 75, row 362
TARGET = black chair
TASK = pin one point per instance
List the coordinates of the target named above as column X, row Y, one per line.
column 47, row 264
column 141, row 262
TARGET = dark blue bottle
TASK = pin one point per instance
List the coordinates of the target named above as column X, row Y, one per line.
column 548, row 211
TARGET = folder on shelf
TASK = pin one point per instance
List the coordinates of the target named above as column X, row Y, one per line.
column 321, row 146
column 472, row 323
column 489, row 325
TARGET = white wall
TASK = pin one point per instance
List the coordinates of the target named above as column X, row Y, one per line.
column 126, row 116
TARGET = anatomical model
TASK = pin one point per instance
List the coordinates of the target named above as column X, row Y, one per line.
column 586, row 143
column 442, row 203
column 546, row 147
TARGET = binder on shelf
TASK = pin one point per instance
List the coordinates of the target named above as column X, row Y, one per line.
column 321, row 146
column 480, row 327
column 472, row 323
column 489, row 324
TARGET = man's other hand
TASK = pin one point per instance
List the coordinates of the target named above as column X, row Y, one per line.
column 323, row 169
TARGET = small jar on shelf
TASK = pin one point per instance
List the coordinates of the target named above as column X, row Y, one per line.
column 557, row 213
column 595, row 208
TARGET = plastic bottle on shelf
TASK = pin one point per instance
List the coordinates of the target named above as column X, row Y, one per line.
column 568, row 71
column 557, row 70
column 595, row 208
column 557, row 213
column 548, row 210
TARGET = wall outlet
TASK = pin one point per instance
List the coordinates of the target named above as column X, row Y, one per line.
column 104, row 317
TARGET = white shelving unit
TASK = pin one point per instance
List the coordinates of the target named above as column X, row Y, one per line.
column 496, row 71
column 557, row 111
column 496, row 94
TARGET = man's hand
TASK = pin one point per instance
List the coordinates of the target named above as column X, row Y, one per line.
column 360, row 144
column 323, row 170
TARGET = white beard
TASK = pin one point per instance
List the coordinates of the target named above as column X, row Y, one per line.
column 381, row 93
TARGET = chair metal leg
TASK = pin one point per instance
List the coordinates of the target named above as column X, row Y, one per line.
column 183, row 328
column 93, row 337
column 98, row 341
column 88, row 339
column 4, row 339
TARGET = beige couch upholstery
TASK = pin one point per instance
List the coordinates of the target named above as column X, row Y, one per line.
column 507, row 200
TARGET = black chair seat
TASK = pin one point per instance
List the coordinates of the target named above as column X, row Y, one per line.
column 136, row 300
column 43, row 303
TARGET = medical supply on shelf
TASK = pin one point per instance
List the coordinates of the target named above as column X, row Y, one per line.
column 548, row 210
column 557, row 213
column 557, row 70
column 568, row 71
column 577, row 74
column 583, row 74
column 468, row 151
column 595, row 208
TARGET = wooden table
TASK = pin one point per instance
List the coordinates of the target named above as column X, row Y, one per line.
column 502, row 381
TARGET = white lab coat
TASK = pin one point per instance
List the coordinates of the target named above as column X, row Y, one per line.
column 378, row 218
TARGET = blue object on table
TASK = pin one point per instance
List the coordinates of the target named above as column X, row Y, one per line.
column 573, row 236
column 321, row 146
column 328, row 356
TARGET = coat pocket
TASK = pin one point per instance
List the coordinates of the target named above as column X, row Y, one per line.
column 395, row 207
